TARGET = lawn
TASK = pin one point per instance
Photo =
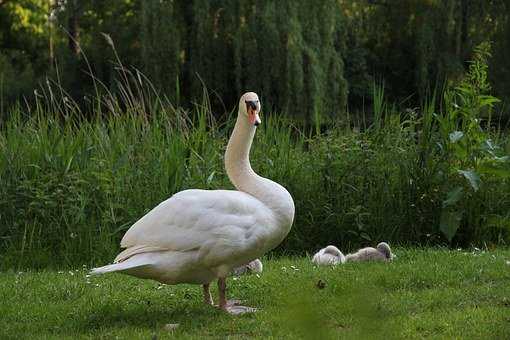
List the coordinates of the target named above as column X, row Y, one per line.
column 423, row 293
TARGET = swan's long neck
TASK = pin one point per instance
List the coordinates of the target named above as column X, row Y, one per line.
column 240, row 173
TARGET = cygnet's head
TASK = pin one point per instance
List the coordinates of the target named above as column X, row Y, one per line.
column 255, row 266
column 333, row 251
column 249, row 108
column 384, row 248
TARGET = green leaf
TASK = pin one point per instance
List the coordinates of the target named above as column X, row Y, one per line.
column 210, row 178
column 488, row 100
column 502, row 159
column 453, row 197
column 455, row 136
column 500, row 222
column 472, row 177
column 487, row 145
column 498, row 169
column 450, row 222
column 365, row 236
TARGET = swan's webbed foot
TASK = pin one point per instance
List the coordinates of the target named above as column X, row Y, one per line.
column 234, row 302
column 231, row 306
column 237, row 309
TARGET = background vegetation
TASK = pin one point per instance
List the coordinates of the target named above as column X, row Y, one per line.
column 71, row 186
column 307, row 59
column 390, row 128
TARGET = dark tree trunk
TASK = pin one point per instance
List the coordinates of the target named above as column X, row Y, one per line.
column 464, row 28
column 73, row 27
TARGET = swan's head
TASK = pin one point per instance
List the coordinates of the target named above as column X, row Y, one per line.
column 249, row 108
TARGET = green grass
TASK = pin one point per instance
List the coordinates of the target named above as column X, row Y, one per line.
column 423, row 293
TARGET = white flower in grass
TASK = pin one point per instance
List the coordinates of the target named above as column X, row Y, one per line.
column 171, row 326
column 52, row 17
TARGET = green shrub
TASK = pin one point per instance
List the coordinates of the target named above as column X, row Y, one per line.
column 70, row 186
column 69, row 191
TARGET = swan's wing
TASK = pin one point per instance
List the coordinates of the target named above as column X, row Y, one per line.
column 201, row 220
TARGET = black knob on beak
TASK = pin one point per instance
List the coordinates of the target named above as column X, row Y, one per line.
column 251, row 104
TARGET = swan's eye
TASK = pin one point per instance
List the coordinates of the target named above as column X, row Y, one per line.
column 251, row 104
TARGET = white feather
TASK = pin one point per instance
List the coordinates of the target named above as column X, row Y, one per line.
column 328, row 256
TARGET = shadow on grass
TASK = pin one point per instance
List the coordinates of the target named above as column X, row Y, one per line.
column 145, row 316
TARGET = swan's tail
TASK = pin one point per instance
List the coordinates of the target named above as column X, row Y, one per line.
column 120, row 267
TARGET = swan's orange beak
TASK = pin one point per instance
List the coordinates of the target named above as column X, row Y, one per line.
column 254, row 118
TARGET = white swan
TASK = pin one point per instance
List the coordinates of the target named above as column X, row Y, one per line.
column 197, row 236
column 328, row 256
column 254, row 266
column 382, row 253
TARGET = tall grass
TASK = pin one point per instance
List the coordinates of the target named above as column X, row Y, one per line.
column 70, row 186
column 69, row 191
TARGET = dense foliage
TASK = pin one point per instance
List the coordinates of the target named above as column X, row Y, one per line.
column 70, row 187
column 307, row 58
column 120, row 119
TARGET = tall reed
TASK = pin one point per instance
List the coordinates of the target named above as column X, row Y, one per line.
column 71, row 185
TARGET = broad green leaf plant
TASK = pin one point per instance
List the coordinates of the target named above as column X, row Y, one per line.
column 469, row 152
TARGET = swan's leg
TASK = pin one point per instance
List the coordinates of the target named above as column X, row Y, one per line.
column 222, row 287
column 231, row 306
column 207, row 294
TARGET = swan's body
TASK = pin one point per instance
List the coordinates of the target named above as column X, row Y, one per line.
column 381, row 253
column 254, row 266
column 197, row 236
column 328, row 256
